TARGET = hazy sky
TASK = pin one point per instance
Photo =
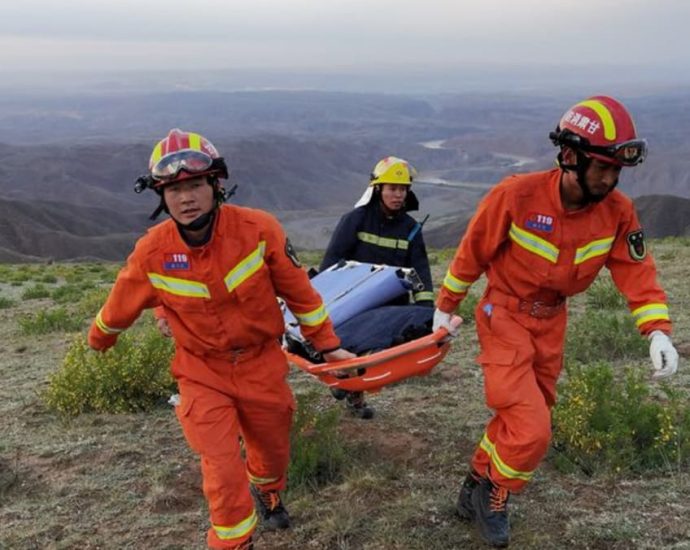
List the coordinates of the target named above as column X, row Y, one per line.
column 370, row 35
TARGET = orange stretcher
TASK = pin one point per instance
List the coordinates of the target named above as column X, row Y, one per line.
column 372, row 372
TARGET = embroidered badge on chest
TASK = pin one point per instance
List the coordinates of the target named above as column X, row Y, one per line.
column 540, row 222
column 637, row 248
column 178, row 261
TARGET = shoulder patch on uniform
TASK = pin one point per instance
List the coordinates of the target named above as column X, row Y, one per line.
column 637, row 248
column 290, row 253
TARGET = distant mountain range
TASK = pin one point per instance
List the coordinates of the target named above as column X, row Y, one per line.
column 68, row 163
column 40, row 230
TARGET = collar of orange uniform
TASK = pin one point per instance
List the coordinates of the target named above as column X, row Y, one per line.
column 216, row 232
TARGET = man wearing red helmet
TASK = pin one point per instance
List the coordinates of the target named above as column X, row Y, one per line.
column 216, row 271
column 540, row 238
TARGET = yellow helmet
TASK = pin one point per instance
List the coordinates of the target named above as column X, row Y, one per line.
column 393, row 170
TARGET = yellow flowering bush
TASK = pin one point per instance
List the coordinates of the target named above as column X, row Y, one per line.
column 607, row 424
column 132, row 376
column 316, row 452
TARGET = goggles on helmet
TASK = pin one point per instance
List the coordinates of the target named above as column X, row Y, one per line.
column 192, row 162
column 628, row 153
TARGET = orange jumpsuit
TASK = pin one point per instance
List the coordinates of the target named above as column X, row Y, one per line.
column 220, row 302
column 535, row 254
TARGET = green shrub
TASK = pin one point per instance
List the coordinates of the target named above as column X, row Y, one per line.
column 132, row 376
column 91, row 302
column 467, row 306
column 35, row 292
column 603, row 335
column 603, row 294
column 48, row 278
column 317, row 453
column 18, row 278
column 77, row 276
column 53, row 320
column 67, row 294
column 608, row 424
column 6, row 303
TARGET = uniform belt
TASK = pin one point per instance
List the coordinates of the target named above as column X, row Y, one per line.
column 236, row 355
column 242, row 354
column 541, row 309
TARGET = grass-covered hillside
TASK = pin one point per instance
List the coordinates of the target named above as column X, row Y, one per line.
column 91, row 455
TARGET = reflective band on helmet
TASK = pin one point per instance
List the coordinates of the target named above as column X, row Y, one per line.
column 650, row 312
column 312, row 318
column 246, row 268
column 604, row 115
column 533, row 244
column 384, row 242
column 179, row 287
column 506, row 471
column 593, row 249
column 238, row 530
column 452, row 283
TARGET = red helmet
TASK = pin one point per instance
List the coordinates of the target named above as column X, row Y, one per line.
column 184, row 155
column 601, row 127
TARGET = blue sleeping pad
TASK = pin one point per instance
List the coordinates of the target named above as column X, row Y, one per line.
column 349, row 288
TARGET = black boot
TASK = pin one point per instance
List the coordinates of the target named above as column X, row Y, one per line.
column 490, row 504
column 358, row 407
column 270, row 507
column 464, row 504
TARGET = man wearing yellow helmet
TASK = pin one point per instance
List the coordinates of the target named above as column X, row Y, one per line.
column 379, row 230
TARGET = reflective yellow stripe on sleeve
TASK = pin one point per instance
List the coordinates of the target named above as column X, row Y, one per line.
column 225, row 532
column 452, row 283
column 105, row 328
column 312, row 318
column 384, row 242
column 179, row 287
column 423, row 296
column 506, row 471
column 246, row 268
column 533, row 244
column 593, row 249
column 650, row 312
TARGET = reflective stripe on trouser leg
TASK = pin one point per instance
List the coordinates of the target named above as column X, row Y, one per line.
column 210, row 424
column 265, row 422
column 520, row 391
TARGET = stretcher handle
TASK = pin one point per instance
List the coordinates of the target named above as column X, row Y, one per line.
column 365, row 361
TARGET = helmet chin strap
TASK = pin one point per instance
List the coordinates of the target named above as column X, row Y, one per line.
column 580, row 169
column 199, row 223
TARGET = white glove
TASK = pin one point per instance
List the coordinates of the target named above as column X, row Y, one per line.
column 443, row 320
column 664, row 355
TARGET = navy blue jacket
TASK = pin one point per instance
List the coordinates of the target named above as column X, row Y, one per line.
column 367, row 234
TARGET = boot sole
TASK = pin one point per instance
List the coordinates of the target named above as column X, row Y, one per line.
column 464, row 513
column 482, row 531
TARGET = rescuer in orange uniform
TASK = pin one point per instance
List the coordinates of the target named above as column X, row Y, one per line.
column 541, row 237
column 216, row 271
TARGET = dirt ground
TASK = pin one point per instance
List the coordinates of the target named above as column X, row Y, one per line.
column 129, row 481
